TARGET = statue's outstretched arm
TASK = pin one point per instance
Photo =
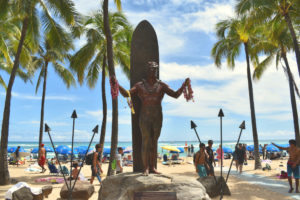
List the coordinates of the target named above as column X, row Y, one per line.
column 172, row 93
column 124, row 93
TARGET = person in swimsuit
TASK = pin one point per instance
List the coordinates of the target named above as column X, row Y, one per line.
column 240, row 157
column 151, row 92
column 293, row 164
column 201, row 161
column 211, row 159
column 42, row 158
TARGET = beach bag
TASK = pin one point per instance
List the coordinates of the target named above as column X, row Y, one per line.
column 89, row 159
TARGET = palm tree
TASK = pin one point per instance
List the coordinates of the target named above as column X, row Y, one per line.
column 8, row 40
column 266, row 9
column 97, row 59
column 232, row 34
column 111, row 70
column 276, row 43
column 27, row 12
column 55, row 54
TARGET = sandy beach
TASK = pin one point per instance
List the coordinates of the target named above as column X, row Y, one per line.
column 240, row 189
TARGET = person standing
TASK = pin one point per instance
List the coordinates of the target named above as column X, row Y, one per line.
column 200, row 161
column 264, row 151
column 189, row 150
column 42, row 158
column 211, row 158
column 240, row 156
column 17, row 153
column 192, row 149
column 119, row 168
column 293, row 164
column 96, row 165
column 220, row 155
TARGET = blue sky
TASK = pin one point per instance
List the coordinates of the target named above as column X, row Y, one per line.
column 185, row 31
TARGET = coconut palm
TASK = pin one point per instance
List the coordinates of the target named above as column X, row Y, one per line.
column 89, row 67
column 111, row 70
column 28, row 14
column 55, row 55
column 8, row 41
column 275, row 44
column 266, row 9
column 233, row 34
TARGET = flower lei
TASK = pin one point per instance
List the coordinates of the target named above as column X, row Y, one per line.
column 188, row 92
column 129, row 102
column 114, row 87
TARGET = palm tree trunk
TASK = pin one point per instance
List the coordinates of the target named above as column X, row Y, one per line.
column 293, row 100
column 252, row 109
column 294, row 37
column 111, row 69
column 4, row 173
column 42, row 107
column 104, row 106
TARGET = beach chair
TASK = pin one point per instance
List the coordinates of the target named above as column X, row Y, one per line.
column 52, row 169
column 65, row 170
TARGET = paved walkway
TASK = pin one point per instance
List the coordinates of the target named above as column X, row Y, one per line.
column 277, row 186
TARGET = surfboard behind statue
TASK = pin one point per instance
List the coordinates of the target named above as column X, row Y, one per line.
column 144, row 48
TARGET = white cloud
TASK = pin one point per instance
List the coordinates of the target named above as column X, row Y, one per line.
column 223, row 88
column 48, row 97
column 124, row 116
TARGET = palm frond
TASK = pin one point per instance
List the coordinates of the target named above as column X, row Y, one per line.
column 2, row 82
column 41, row 76
column 64, row 74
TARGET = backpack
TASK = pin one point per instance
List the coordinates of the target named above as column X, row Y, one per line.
column 89, row 159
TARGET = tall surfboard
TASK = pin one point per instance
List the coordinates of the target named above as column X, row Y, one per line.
column 144, row 48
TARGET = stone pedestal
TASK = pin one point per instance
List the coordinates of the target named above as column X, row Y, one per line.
column 124, row 186
column 83, row 190
column 212, row 187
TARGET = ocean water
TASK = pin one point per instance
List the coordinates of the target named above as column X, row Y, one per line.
column 28, row 146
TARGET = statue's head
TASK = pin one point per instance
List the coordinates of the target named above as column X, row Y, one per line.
column 153, row 68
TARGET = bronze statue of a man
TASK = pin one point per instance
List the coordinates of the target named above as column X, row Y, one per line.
column 151, row 92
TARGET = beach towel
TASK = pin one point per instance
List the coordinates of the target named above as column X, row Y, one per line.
column 8, row 194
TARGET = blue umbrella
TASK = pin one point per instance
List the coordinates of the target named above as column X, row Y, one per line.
column 214, row 149
column 49, row 149
column 284, row 145
column 251, row 148
column 63, row 149
column 180, row 148
column 106, row 151
column 35, row 150
column 227, row 150
column 272, row 148
column 13, row 149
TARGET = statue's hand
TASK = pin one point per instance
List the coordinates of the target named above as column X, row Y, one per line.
column 187, row 81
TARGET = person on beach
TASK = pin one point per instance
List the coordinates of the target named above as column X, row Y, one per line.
column 293, row 164
column 96, row 166
column 119, row 168
column 151, row 92
column 42, row 158
column 240, row 156
column 211, row 158
column 75, row 171
column 192, row 149
column 17, row 153
column 220, row 155
column 201, row 161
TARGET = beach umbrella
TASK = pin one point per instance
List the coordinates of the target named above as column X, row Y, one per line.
column 106, row 151
column 227, row 150
column 214, row 149
column 284, row 145
column 13, row 149
column 171, row 148
column 251, row 148
column 181, row 150
column 63, row 149
column 35, row 150
column 49, row 149
column 128, row 150
column 272, row 148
